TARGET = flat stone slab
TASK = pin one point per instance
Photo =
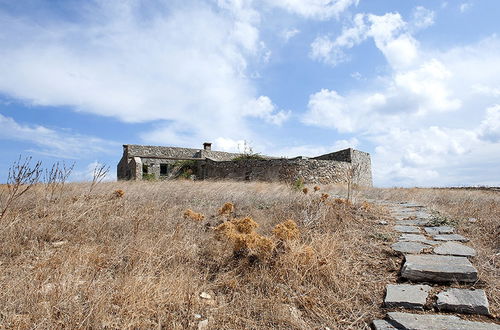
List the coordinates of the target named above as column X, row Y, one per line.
column 455, row 249
column 437, row 268
column 450, row 237
column 439, row 230
column 406, row 296
column 415, row 222
column 406, row 229
column 409, row 247
column 382, row 325
column 435, row 322
column 463, row 301
column 416, row 238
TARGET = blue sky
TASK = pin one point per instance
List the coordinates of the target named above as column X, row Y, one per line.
column 415, row 83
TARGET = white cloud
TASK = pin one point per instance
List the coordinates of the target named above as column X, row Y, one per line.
column 263, row 108
column 422, row 17
column 185, row 67
column 316, row 9
column 344, row 144
column 54, row 143
column 289, row 33
column 464, row 7
column 490, row 126
column 433, row 118
column 390, row 33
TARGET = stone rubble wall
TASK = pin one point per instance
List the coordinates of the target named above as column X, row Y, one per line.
column 284, row 170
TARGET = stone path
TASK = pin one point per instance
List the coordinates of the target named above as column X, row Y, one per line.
column 433, row 255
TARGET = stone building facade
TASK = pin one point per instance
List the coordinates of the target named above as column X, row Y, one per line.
column 140, row 162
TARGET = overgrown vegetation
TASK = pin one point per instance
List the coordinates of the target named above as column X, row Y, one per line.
column 236, row 254
column 156, row 254
column 185, row 168
column 246, row 153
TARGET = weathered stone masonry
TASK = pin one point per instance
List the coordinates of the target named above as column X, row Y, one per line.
column 160, row 162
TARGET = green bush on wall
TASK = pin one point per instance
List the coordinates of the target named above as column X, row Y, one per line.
column 148, row 176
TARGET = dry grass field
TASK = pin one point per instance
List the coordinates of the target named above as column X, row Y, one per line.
column 170, row 255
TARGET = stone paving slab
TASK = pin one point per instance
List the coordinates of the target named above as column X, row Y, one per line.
column 437, row 268
column 416, row 238
column 382, row 325
column 409, row 247
column 406, row 296
column 450, row 237
column 415, row 222
column 439, row 230
column 463, row 301
column 435, row 322
column 406, row 229
column 455, row 249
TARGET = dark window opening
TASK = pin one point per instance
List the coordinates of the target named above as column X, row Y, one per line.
column 144, row 169
column 163, row 169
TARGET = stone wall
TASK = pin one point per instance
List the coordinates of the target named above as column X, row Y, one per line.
column 362, row 166
column 284, row 170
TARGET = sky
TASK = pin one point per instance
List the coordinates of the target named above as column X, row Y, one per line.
column 414, row 83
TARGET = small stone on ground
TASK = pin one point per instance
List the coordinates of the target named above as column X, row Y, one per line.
column 406, row 296
column 455, row 249
column 437, row 268
column 463, row 301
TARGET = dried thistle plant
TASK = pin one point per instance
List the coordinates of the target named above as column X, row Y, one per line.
column 316, row 188
column 324, row 197
column 226, row 209
column 190, row 214
column 305, row 191
column 287, row 230
column 119, row 193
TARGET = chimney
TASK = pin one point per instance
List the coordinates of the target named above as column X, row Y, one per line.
column 207, row 146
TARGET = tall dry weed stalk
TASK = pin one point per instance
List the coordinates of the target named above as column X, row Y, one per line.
column 21, row 178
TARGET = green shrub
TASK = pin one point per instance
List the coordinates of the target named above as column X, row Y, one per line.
column 148, row 176
column 299, row 184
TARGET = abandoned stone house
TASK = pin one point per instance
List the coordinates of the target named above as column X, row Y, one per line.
column 155, row 162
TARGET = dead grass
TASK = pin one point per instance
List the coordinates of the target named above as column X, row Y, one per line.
column 456, row 207
column 131, row 260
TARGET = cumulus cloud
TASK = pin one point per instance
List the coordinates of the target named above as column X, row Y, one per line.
column 390, row 33
column 316, row 9
column 54, row 143
column 490, row 126
column 433, row 115
column 183, row 67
